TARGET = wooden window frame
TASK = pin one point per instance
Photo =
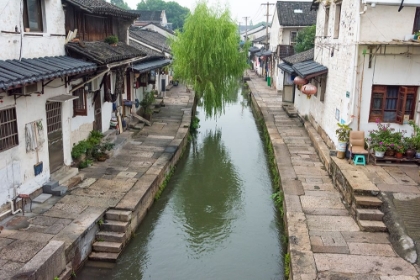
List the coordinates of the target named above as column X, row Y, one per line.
column 326, row 21
column 380, row 94
column 416, row 24
column 39, row 18
column 9, row 134
column 293, row 42
column 323, row 87
column 337, row 19
column 80, row 109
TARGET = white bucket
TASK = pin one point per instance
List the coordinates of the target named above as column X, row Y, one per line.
column 341, row 147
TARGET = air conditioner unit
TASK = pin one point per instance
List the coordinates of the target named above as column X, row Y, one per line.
column 406, row 3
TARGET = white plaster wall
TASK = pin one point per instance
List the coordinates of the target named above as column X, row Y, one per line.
column 389, row 70
column 385, row 23
column 339, row 56
column 274, row 32
column 17, row 166
column 26, row 44
column 302, row 103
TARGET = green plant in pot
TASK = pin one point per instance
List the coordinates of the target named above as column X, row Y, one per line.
column 146, row 105
column 343, row 134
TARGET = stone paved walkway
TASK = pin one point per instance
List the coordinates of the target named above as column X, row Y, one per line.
column 324, row 240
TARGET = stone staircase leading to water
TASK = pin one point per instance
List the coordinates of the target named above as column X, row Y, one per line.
column 367, row 213
column 112, row 237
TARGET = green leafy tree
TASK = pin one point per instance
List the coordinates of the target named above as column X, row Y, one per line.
column 207, row 56
column 305, row 39
column 175, row 13
column 121, row 4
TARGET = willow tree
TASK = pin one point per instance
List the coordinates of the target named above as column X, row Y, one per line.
column 207, row 56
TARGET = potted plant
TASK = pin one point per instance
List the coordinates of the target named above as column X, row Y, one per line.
column 343, row 134
column 379, row 149
column 112, row 40
column 146, row 105
column 399, row 150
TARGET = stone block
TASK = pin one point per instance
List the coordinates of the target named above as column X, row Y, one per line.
column 47, row 263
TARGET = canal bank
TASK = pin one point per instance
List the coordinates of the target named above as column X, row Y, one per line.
column 56, row 237
column 325, row 241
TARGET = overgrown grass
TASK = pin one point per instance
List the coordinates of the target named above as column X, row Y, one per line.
column 164, row 183
column 287, row 266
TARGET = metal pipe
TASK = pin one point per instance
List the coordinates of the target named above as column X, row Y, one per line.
column 13, row 208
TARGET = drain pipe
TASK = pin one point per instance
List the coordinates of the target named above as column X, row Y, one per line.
column 12, row 210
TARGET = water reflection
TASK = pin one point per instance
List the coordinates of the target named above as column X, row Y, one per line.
column 210, row 197
column 215, row 219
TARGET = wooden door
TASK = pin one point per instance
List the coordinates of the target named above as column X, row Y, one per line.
column 55, row 135
column 97, row 125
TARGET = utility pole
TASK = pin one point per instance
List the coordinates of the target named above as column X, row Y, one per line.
column 266, row 25
column 246, row 28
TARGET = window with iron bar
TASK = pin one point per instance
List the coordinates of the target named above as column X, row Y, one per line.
column 9, row 137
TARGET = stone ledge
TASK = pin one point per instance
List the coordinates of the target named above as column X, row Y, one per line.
column 47, row 263
column 320, row 147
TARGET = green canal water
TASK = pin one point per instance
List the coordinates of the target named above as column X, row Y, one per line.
column 216, row 218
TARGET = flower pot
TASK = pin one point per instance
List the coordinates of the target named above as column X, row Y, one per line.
column 389, row 153
column 410, row 153
column 398, row 155
column 379, row 154
column 341, row 147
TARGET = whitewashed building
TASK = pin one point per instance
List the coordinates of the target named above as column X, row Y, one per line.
column 373, row 65
column 289, row 18
column 36, row 110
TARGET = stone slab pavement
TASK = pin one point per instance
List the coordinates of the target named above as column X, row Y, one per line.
column 324, row 240
column 64, row 221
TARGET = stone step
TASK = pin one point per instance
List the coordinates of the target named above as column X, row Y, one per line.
column 118, row 215
column 107, row 247
column 367, row 201
column 116, row 226
column 111, row 236
column 49, row 185
column 64, row 174
column 372, row 226
column 57, row 191
column 104, row 257
column 369, row 214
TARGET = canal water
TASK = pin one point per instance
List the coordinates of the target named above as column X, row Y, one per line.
column 216, row 218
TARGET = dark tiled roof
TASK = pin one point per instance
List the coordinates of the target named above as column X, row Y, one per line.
column 261, row 39
column 103, row 53
column 253, row 49
column 151, row 38
column 159, row 26
column 149, row 16
column 150, row 65
column 309, row 69
column 150, row 52
column 286, row 67
column 314, row 5
column 27, row 71
column 300, row 57
column 288, row 17
column 101, row 7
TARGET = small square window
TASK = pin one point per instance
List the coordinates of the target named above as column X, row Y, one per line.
column 80, row 104
column 32, row 15
column 8, row 129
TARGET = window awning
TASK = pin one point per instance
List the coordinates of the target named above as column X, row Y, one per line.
column 16, row 73
column 286, row 67
column 150, row 65
column 309, row 69
column 62, row 98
